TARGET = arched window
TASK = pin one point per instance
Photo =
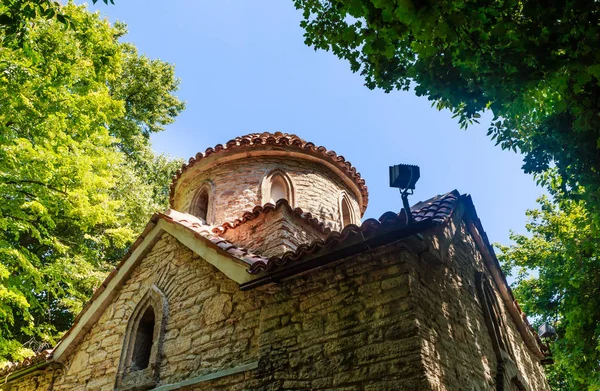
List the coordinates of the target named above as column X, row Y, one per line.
column 144, row 340
column 346, row 211
column 346, row 216
column 142, row 346
column 202, row 204
column 275, row 186
column 279, row 189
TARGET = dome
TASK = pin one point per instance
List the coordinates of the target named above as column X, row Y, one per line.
column 222, row 183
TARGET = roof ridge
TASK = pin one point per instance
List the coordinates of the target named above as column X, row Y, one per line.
column 438, row 211
column 267, row 208
column 206, row 231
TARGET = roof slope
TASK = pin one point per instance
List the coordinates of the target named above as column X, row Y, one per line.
column 267, row 208
column 436, row 210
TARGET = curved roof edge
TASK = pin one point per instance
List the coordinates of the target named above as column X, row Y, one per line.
column 291, row 141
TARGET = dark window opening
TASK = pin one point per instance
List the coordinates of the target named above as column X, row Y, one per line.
column 346, row 215
column 144, row 338
column 201, row 205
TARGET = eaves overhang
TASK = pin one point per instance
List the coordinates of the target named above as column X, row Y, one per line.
column 222, row 257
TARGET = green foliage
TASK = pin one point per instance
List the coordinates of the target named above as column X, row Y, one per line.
column 533, row 64
column 19, row 17
column 78, row 179
column 558, row 281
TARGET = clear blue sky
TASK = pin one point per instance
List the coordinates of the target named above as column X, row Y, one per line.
column 244, row 68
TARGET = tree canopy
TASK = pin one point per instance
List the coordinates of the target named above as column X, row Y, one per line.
column 536, row 67
column 18, row 18
column 534, row 64
column 558, row 282
column 78, row 179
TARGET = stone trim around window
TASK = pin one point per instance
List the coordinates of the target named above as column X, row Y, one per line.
column 128, row 376
column 267, row 181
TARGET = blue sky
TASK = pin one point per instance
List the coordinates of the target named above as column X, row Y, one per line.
column 244, row 68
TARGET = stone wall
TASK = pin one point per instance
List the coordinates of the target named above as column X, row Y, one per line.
column 457, row 350
column 346, row 327
column 237, row 186
column 382, row 320
column 273, row 232
column 38, row 380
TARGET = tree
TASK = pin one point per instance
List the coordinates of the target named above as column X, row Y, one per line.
column 534, row 64
column 18, row 18
column 557, row 272
column 78, row 179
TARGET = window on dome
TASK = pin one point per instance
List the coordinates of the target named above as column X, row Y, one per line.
column 200, row 205
column 346, row 212
column 275, row 186
column 279, row 189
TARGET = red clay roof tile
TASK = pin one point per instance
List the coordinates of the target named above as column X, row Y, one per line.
column 41, row 357
column 278, row 138
column 267, row 208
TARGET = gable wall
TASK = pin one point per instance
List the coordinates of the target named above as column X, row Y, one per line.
column 273, row 233
column 457, row 351
column 383, row 320
column 345, row 327
column 200, row 302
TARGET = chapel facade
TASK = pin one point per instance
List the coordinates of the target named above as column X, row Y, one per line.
column 261, row 276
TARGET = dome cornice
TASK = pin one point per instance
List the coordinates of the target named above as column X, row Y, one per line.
column 275, row 144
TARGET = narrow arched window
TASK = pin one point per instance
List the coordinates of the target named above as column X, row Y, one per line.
column 279, row 189
column 346, row 214
column 144, row 339
column 275, row 186
column 200, row 204
column 142, row 346
column 346, row 211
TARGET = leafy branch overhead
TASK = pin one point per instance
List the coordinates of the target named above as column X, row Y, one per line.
column 533, row 64
column 18, row 18
column 536, row 67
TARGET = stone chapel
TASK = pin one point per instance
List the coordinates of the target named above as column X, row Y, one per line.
column 261, row 276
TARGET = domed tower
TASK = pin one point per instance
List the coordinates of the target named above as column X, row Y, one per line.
column 222, row 184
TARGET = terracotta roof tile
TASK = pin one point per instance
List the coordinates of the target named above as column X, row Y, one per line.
column 267, row 208
column 200, row 228
column 27, row 362
column 437, row 209
column 278, row 138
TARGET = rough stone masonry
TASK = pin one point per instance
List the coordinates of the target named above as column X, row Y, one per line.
column 286, row 300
